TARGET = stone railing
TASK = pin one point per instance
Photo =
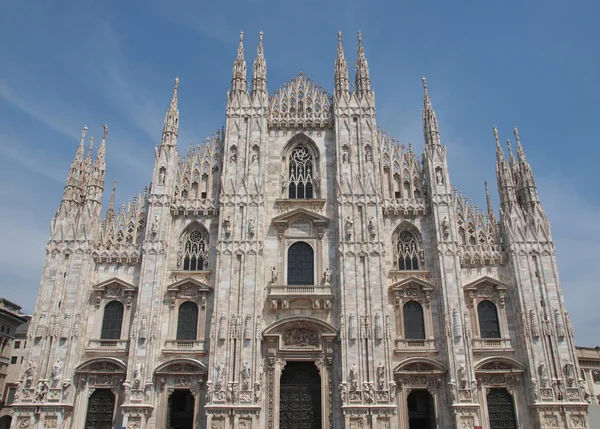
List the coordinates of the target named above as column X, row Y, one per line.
column 287, row 296
column 110, row 346
column 404, row 206
column 492, row 344
column 184, row 346
column 425, row 345
column 481, row 254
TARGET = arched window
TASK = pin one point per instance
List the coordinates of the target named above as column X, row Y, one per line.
column 489, row 327
column 195, row 250
column 187, row 322
column 301, row 173
column 301, row 264
column 414, row 325
column 112, row 322
column 407, row 253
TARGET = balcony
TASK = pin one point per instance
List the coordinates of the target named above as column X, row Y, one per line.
column 184, row 346
column 415, row 346
column 283, row 297
column 111, row 346
column 492, row 344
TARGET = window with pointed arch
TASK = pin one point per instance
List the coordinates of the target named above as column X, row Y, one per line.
column 194, row 250
column 406, row 250
column 301, row 173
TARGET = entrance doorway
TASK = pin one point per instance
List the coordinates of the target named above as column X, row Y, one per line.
column 300, row 396
column 181, row 410
column 501, row 409
column 421, row 411
column 100, row 410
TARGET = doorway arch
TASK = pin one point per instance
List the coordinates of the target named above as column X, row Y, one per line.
column 501, row 409
column 300, row 396
column 421, row 410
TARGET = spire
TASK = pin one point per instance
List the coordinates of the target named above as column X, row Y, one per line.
column 341, row 69
column 520, row 151
column 238, row 81
column 81, row 148
column 171, row 126
column 431, row 131
column 110, row 213
column 511, row 158
column 488, row 199
column 499, row 151
column 363, row 81
column 259, row 74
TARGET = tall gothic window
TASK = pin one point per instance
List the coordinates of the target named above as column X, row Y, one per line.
column 112, row 322
column 187, row 321
column 301, row 173
column 414, row 324
column 489, row 327
column 195, row 250
column 407, row 251
column 301, row 264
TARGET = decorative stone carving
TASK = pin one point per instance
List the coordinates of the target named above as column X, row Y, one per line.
column 248, row 327
column 456, row 323
column 467, row 319
column 219, row 374
column 56, row 373
column 301, row 337
column 560, row 330
column 445, row 228
column 327, row 277
column 273, row 274
column 535, row 329
column 251, row 227
column 222, row 326
column 348, row 224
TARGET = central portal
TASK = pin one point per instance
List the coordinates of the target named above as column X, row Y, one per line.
column 300, row 396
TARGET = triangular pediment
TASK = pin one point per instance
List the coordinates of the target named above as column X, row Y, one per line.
column 486, row 280
column 114, row 282
column 412, row 281
column 285, row 218
column 187, row 282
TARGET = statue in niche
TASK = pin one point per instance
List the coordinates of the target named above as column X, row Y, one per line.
column 161, row 177
column 349, row 224
column 251, row 227
column 381, row 376
column 219, row 373
column 439, row 179
column 254, row 156
column 56, row 370
column 154, row 227
column 327, row 277
column 284, row 183
column 345, row 156
column 368, row 155
column 273, row 274
column 353, row 377
column 445, row 227
column 371, row 226
column 29, row 373
column 137, row 372
column 246, row 372
column 227, row 225
column 233, row 157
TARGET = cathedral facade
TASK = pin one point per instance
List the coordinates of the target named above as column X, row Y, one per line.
column 300, row 269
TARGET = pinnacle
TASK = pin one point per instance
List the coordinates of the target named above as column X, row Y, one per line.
column 105, row 131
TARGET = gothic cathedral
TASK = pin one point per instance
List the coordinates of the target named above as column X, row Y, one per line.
column 300, row 269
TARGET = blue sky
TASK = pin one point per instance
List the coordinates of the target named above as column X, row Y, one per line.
column 528, row 63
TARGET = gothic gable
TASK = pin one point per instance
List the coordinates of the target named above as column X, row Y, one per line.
column 301, row 219
column 300, row 102
column 480, row 285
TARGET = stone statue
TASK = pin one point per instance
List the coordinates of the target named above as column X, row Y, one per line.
column 251, row 227
column 392, row 387
column 137, row 372
column 284, row 183
column 273, row 274
column 381, row 376
column 227, row 225
column 368, row 155
column 371, row 226
column 353, row 377
column 209, row 392
column 154, row 227
column 438, row 177
column 254, row 157
column 343, row 393
column 317, row 181
column 55, row 374
column 219, row 373
column 445, row 227
column 345, row 156
column 348, row 225
column 41, row 391
column 29, row 373
column 246, row 372
column 161, row 177
column 327, row 277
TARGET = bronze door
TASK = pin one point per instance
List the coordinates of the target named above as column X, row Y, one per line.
column 501, row 409
column 100, row 410
column 300, row 396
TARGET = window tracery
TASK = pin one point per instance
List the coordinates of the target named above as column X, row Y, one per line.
column 406, row 251
column 194, row 250
column 300, row 173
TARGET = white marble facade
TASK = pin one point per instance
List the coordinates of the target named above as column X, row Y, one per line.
column 204, row 283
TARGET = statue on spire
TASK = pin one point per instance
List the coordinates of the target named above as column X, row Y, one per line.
column 238, row 80
column 341, row 69
column 363, row 80
column 259, row 75
column 431, row 131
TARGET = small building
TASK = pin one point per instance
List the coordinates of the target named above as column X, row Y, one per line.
column 589, row 362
